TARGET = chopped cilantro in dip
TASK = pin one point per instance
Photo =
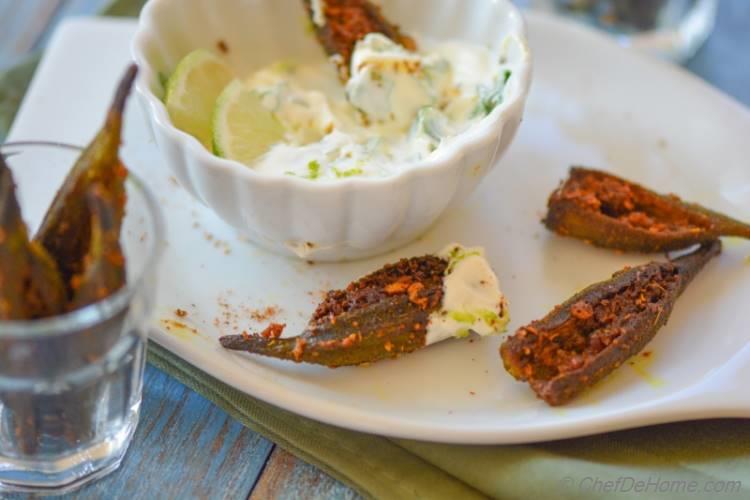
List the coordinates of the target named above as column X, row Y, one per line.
column 490, row 318
column 457, row 254
column 490, row 98
column 340, row 174
column 397, row 108
column 462, row 316
column 462, row 333
column 472, row 301
column 313, row 168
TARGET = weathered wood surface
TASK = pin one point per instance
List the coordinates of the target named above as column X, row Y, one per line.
column 285, row 477
column 186, row 447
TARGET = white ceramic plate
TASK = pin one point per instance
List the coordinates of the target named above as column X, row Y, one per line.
column 592, row 103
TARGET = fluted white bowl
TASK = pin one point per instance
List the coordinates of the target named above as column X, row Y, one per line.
column 340, row 219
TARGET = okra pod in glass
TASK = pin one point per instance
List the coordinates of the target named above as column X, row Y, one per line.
column 103, row 273
column 31, row 284
column 104, row 265
column 66, row 229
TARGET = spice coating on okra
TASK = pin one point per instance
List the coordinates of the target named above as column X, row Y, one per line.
column 66, row 229
column 590, row 335
column 611, row 212
column 104, row 265
column 31, row 286
column 340, row 24
column 398, row 309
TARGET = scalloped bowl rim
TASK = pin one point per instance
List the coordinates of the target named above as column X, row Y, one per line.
column 448, row 156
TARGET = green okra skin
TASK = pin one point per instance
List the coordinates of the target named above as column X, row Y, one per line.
column 77, row 244
column 47, row 294
column 31, row 284
column 687, row 224
column 531, row 354
column 102, row 275
column 30, row 287
column 15, row 268
column 66, row 229
column 723, row 225
column 104, row 264
column 384, row 330
column 378, row 316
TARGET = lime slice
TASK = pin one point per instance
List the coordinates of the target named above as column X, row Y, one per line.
column 243, row 129
column 192, row 91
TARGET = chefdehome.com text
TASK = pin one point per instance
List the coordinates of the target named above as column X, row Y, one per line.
column 650, row 484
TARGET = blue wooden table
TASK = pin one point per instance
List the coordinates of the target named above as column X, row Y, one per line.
column 186, row 447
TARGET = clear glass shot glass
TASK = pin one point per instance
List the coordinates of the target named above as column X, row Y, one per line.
column 70, row 385
column 672, row 29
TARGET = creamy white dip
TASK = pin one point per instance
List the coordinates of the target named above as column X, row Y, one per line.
column 318, row 16
column 472, row 300
column 397, row 108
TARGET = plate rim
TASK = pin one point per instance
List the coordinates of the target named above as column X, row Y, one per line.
column 696, row 402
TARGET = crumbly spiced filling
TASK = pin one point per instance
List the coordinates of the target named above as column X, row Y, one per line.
column 348, row 21
column 629, row 204
column 591, row 327
column 420, row 278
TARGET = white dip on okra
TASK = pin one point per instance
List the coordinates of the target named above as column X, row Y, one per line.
column 397, row 108
column 472, row 300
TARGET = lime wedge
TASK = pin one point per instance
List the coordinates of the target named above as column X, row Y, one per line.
column 242, row 128
column 192, row 91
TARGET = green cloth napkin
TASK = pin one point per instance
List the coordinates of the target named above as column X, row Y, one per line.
column 669, row 460
column 709, row 459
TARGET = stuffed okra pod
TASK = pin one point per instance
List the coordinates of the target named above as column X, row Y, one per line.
column 396, row 310
column 104, row 265
column 583, row 340
column 611, row 212
column 31, row 284
column 74, row 260
column 66, row 229
column 340, row 24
